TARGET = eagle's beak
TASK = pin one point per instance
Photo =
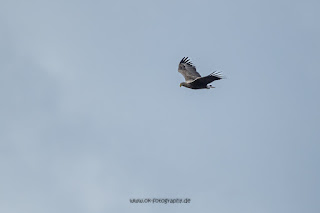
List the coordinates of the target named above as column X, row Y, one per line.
column 180, row 84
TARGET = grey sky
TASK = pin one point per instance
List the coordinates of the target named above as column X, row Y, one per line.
column 92, row 113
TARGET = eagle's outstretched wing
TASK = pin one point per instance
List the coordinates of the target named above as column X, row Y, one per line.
column 188, row 70
column 207, row 79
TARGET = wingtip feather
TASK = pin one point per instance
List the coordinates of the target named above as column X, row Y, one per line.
column 218, row 74
column 186, row 60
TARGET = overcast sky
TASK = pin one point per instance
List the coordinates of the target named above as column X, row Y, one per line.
column 91, row 112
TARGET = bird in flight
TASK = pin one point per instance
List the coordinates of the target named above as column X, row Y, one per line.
column 193, row 79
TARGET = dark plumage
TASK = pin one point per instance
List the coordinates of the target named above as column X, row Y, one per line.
column 193, row 78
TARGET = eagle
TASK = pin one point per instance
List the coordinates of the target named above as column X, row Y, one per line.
column 193, row 79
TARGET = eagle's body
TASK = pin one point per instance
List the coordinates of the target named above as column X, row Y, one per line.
column 193, row 78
